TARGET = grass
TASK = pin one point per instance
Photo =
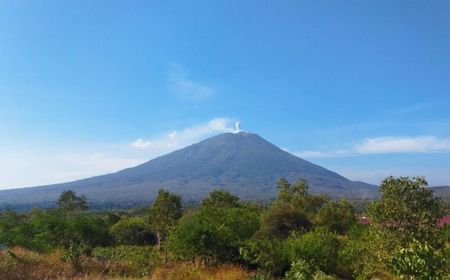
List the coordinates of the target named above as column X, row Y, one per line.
column 18, row 263
column 186, row 271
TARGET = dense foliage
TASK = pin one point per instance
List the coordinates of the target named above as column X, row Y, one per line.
column 406, row 211
column 297, row 236
column 214, row 233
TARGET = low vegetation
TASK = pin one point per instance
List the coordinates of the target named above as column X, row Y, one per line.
column 299, row 236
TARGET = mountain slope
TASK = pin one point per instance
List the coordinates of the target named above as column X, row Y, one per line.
column 243, row 163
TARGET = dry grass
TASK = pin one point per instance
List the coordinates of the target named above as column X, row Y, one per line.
column 184, row 271
column 22, row 264
column 18, row 264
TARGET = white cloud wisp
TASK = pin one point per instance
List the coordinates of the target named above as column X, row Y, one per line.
column 182, row 138
column 387, row 145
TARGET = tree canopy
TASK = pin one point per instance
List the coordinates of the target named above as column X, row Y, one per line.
column 407, row 210
column 69, row 201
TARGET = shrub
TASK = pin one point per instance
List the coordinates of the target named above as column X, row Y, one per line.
column 88, row 230
column 359, row 254
column 213, row 234
column 300, row 270
column 52, row 228
column 281, row 219
column 267, row 255
column 319, row 248
column 220, row 198
column 141, row 258
column 320, row 275
column 336, row 216
column 419, row 261
column 132, row 231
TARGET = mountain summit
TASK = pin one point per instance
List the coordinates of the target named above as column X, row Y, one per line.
column 242, row 163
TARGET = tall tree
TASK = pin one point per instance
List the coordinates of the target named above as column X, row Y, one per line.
column 220, row 198
column 164, row 214
column 69, row 201
column 291, row 211
column 296, row 196
column 336, row 216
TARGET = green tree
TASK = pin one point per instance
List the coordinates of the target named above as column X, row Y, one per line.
column 281, row 219
column 86, row 230
column 292, row 193
column 15, row 229
column 214, row 234
column 267, row 254
column 220, row 198
column 132, row 231
column 68, row 201
column 291, row 211
column 336, row 216
column 52, row 229
column 49, row 229
column 164, row 214
column 406, row 211
column 359, row 254
column 319, row 248
column 297, row 196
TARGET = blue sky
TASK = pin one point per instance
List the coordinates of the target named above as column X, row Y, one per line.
column 90, row 87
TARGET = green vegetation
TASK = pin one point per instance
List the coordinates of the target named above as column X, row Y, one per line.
column 132, row 231
column 298, row 236
column 407, row 211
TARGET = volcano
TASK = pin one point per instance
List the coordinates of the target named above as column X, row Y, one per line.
column 243, row 163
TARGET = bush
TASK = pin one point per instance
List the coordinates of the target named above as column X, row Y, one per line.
column 132, row 231
column 15, row 230
column 336, row 216
column 281, row 219
column 220, row 198
column 419, row 261
column 214, row 234
column 87, row 230
column 358, row 254
column 267, row 255
column 52, row 228
column 320, row 275
column 300, row 270
column 141, row 258
column 319, row 248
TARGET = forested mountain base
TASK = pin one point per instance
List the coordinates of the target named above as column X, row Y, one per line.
column 299, row 236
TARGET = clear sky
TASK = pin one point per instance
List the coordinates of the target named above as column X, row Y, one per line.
column 90, row 87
